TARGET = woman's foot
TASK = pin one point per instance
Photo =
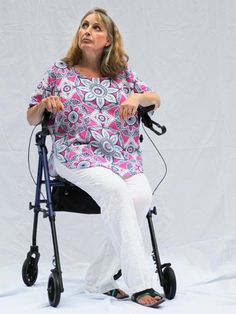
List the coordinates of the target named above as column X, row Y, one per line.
column 117, row 293
column 148, row 297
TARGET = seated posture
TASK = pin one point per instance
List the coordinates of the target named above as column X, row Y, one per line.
column 93, row 97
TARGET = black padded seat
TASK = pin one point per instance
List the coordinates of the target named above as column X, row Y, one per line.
column 70, row 198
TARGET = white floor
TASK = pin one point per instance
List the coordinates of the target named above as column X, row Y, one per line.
column 216, row 295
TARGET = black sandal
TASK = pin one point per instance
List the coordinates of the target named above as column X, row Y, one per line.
column 117, row 293
column 150, row 292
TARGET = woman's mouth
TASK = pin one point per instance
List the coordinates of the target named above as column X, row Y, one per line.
column 86, row 40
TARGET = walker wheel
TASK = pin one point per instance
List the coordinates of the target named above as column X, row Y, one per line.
column 169, row 283
column 54, row 293
column 30, row 271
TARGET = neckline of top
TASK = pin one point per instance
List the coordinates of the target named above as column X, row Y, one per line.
column 89, row 77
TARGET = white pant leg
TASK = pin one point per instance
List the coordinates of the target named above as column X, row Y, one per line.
column 118, row 212
column 141, row 194
column 107, row 263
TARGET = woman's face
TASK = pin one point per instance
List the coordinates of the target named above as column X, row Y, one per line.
column 93, row 35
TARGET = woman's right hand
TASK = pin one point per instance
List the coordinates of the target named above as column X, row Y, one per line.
column 52, row 104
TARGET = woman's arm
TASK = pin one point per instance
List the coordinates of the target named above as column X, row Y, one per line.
column 35, row 113
column 130, row 106
column 148, row 98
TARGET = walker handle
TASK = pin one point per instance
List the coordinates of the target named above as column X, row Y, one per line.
column 147, row 121
column 45, row 120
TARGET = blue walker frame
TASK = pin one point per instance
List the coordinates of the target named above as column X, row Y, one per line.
column 30, row 266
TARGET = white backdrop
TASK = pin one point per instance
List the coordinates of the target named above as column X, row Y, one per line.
column 185, row 49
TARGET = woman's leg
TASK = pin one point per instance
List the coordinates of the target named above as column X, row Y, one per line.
column 118, row 212
column 141, row 194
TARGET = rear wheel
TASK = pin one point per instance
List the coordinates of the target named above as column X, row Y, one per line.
column 54, row 293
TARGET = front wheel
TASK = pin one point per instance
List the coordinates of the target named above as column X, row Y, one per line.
column 54, row 292
column 30, row 271
column 169, row 283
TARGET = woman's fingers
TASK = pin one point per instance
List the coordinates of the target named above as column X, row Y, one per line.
column 53, row 104
column 127, row 111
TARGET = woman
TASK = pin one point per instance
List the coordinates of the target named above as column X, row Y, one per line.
column 93, row 98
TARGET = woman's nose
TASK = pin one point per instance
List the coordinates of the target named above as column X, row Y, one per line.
column 88, row 31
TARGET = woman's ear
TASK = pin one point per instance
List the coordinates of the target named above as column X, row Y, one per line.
column 108, row 42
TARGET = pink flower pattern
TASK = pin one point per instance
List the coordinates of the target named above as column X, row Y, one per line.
column 89, row 132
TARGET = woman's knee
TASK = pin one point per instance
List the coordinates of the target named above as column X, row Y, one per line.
column 142, row 200
column 140, row 190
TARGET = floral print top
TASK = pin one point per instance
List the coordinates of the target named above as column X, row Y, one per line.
column 89, row 132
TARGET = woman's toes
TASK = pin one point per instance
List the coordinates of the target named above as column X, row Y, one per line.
column 148, row 299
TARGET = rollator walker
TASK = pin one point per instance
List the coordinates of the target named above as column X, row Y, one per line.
column 62, row 195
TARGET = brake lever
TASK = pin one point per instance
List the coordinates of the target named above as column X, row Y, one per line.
column 162, row 127
column 148, row 122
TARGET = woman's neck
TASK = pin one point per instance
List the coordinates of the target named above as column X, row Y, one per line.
column 89, row 67
column 91, row 62
column 88, row 71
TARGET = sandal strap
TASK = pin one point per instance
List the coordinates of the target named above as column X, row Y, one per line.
column 114, row 293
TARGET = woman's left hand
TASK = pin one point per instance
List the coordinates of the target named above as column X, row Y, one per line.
column 129, row 107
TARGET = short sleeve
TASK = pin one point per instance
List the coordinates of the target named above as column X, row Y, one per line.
column 135, row 83
column 45, row 88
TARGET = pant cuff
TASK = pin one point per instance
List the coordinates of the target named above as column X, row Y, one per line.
column 101, row 289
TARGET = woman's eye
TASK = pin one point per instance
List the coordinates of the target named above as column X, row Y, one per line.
column 97, row 28
column 84, row 25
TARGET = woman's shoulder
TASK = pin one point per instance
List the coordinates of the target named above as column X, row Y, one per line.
column 57, row 68
column 125, row 71
column 127, row 74
column 60, row 64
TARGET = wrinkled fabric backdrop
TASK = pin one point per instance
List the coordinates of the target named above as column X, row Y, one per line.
column 185, row 50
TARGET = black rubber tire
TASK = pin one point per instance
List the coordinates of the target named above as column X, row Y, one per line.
column 30, row 271
column 54, row 293
column 169, row 283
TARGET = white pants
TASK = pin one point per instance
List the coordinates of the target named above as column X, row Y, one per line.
column 124, row 204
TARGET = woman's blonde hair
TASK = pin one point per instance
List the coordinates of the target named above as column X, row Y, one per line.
column 114, row 59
